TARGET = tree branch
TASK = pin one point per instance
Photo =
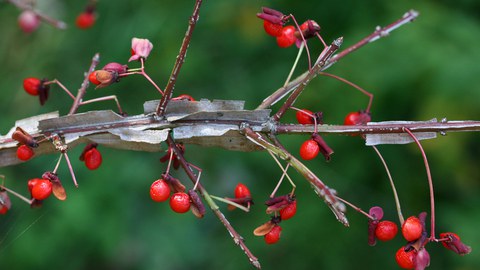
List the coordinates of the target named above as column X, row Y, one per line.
column 180, row 60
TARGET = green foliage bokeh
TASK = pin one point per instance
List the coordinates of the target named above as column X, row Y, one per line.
column 424, row 70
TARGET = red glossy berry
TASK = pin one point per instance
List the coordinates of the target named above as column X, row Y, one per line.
column 85, row 20
column 180, row 202
column 386, row 230
column 92, row 77
column 31, row 86
column 273, row 235
column 309, row 149
column 41, row 189
column 31, row 183
column 93, row 159
column 412, row 228
column 406, row 260
column 159, row 190
column 24, row 152
column 305, row 117
column 273, row 29
column 28, row 21
column 287, row 38
column 357, row 118
column 289, row 211
column 241, row 191
column 3, row 210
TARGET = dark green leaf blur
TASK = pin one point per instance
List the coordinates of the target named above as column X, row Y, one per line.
column 424, row 70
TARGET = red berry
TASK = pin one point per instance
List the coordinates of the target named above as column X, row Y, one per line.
column 3, row 209
column 28, row 21
column 357, row 118
column 41, row 189
column 386, row 230
column 272, row 29
column 31, row 183
column 412, row 228
column 241, row 191
column 31, row 86
column 92, row 77
column 159, row 190
column 273, row 235
column 93, row 159
column 406, row 260
column 289, row 211
column 24, row 152
column 305, row 117
column 309, row 149
column 85, row 20
column 287, row 38
column 180, row 202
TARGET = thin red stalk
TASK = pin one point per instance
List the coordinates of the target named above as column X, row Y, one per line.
column 370, row 95
column 430, row 183
column 188, row 170
column 180, row 59
column 61, row 86
column 304, row 41
column 323, row 59
column 83, row 88
column 356, row 208
column 112, row 97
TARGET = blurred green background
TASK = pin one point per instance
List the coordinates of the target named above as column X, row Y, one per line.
column 423, row 70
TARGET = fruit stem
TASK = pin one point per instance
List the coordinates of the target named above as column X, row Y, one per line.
column 395, row 194
column 430, row 183
column 284, row 170
column 230, row 203
column 299, row 54
column 322, row 190
column 356, row 208
column 304, row 42
column 55, row 81
column 18, row 195
column 319, row 65
column 70, row 168
column 370, row 95
column 112, row 97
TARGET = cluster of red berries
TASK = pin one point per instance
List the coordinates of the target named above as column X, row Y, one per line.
column 316, row 144
column 412, row 230
column 180, row 202
column 284, row 208
column 274, row 25
column 91, row 156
